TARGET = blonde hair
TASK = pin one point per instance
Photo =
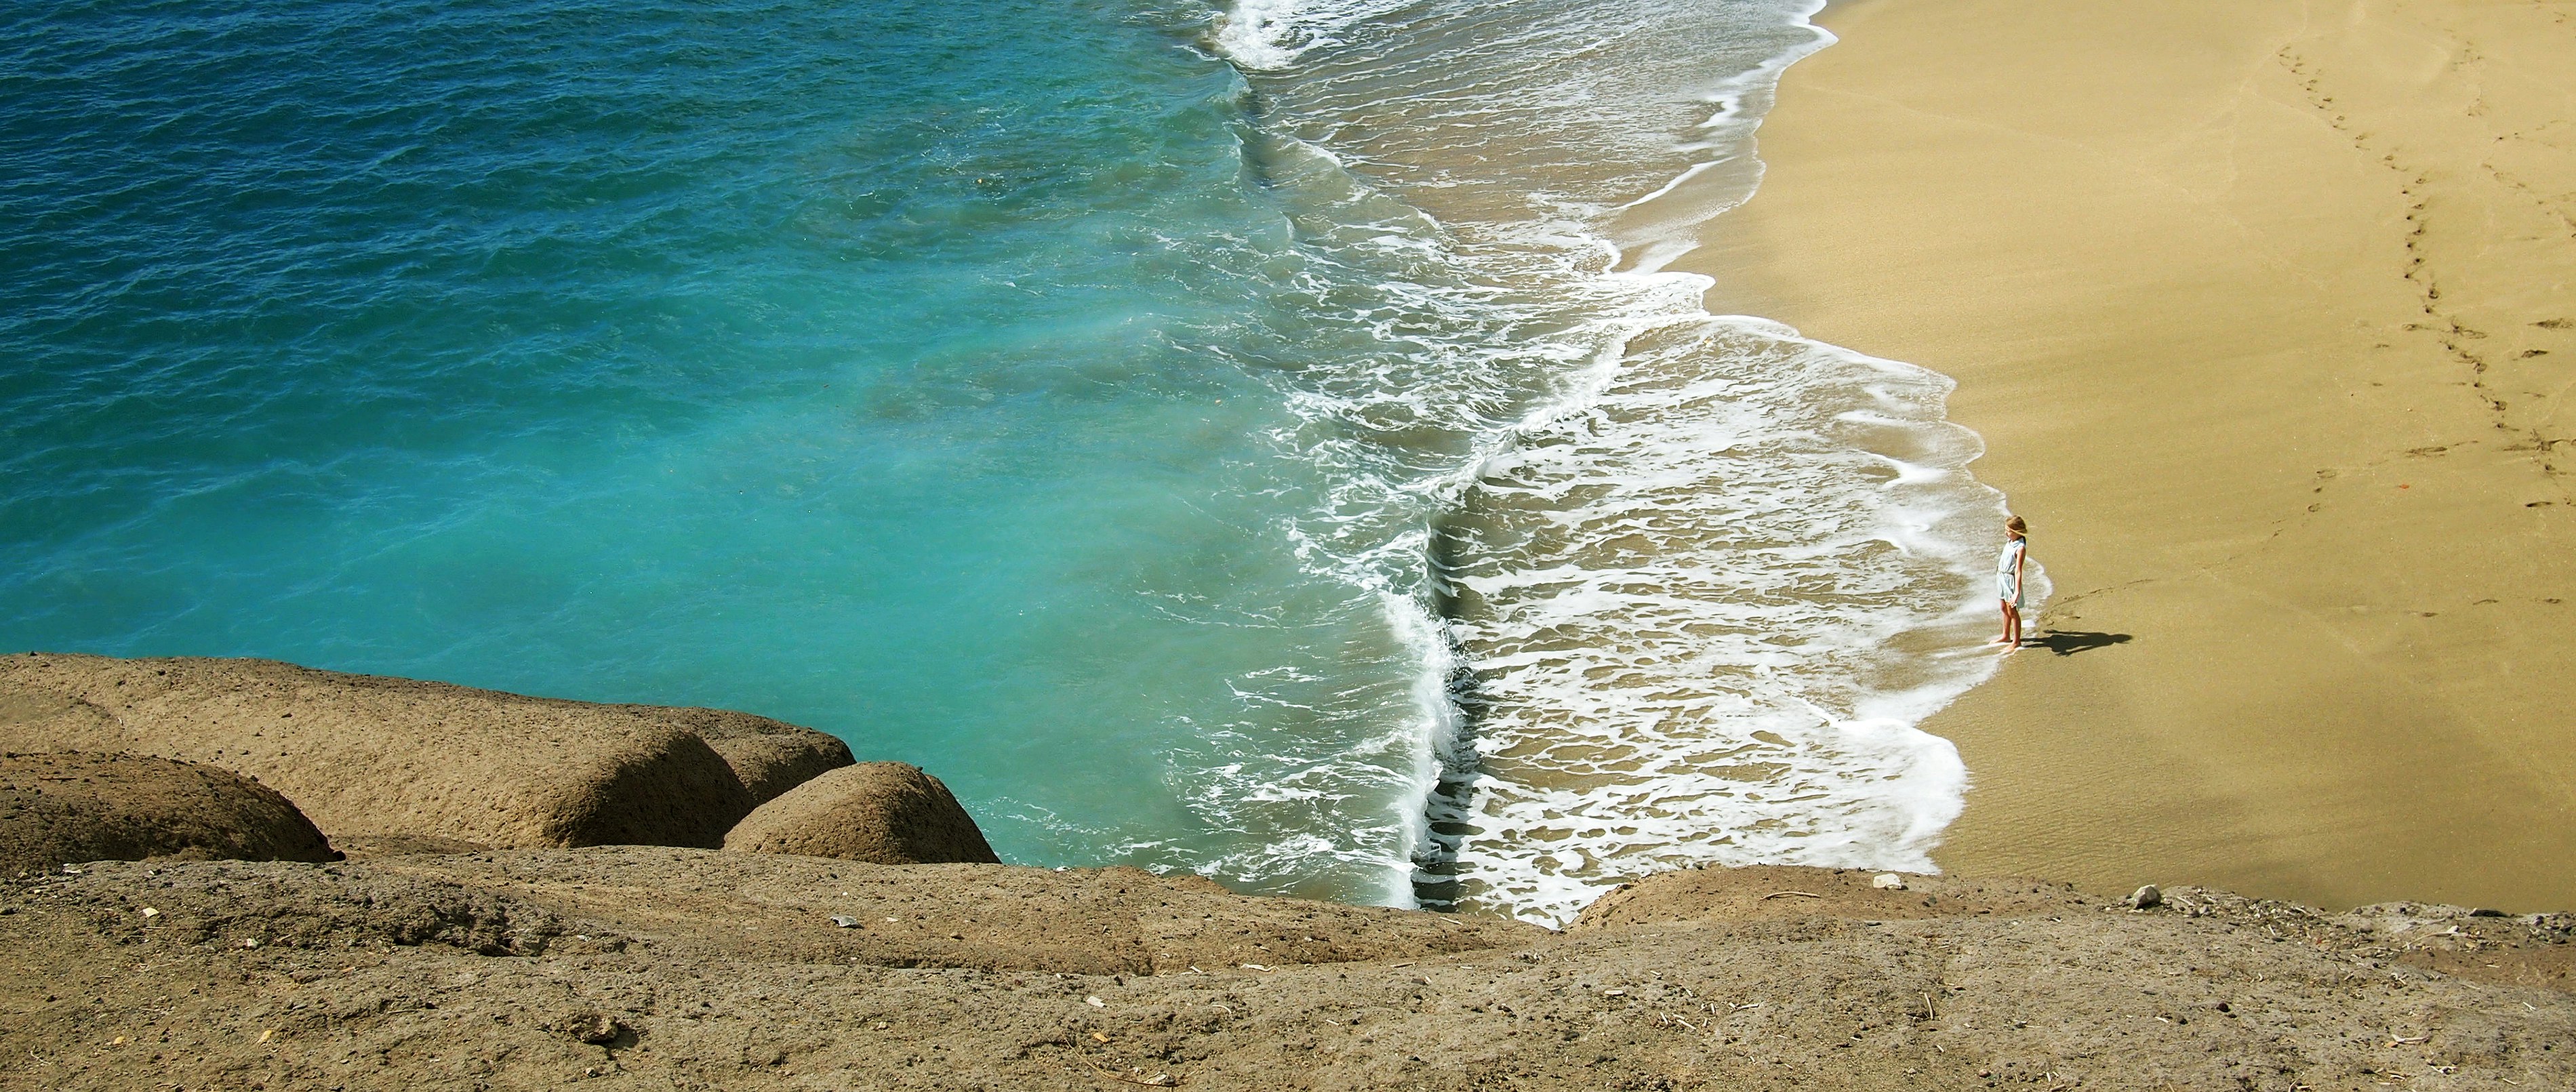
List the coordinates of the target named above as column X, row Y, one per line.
column 2015, row 525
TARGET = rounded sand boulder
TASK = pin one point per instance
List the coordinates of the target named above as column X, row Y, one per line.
column 769, row 756
column 879, row 812
column 65, row 808
column 369, row 757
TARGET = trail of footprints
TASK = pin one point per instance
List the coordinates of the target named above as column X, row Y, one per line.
column 2459, row 339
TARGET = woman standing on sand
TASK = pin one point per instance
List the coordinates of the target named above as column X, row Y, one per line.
column 2008, row 578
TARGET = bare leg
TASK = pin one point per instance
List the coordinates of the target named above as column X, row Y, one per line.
column 2012, row 627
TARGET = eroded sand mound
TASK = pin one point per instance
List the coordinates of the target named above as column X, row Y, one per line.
column 366, row 756
column 769, row 756
column 657, row 968
column 58, row 809
column 880, row 812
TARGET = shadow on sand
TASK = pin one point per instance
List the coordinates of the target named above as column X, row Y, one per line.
column 2069, row 642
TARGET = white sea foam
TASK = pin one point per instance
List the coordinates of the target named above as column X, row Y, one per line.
column 1676, row 587
column 1270, row 34
column 1711, row 608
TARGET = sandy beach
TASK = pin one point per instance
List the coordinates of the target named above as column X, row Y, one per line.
column 2267, row 314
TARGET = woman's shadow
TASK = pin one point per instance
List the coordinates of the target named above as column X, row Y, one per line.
column 2068, row 642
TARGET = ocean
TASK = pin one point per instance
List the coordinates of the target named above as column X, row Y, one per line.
column 1257, row 441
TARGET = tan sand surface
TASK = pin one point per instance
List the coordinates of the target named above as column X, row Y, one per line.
column 2267, row 312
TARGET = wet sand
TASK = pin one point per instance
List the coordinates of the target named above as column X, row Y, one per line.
column 2267, row 314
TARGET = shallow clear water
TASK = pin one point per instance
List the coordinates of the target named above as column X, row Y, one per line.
column 1209, row 440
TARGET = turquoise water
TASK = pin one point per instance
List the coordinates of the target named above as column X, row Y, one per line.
column 849, row 363
column 1100, row 404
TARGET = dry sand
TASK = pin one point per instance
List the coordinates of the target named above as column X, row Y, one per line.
column 2267, row 313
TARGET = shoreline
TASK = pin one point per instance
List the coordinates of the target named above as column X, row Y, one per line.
column 2255, row 314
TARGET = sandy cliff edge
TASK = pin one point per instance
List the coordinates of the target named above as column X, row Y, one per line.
column 663, row 967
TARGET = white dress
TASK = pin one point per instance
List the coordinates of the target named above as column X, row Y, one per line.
column 2008, row 571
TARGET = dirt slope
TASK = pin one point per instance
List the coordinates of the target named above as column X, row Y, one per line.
column 667, row 968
